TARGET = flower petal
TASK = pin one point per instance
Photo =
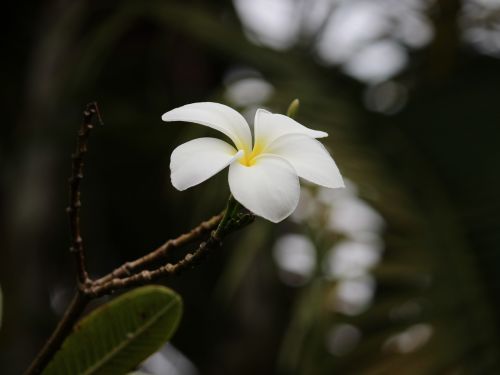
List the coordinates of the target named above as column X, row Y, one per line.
column 270, row 126
column 310, row 159
column 269, row 188
column 216, row 116
column 195, row 161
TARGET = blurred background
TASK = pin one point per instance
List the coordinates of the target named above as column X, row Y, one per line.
column 396, row 274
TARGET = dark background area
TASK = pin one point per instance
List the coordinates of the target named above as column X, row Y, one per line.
column 397, row 274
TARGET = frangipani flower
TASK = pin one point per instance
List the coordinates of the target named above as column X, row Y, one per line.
column 263, row 173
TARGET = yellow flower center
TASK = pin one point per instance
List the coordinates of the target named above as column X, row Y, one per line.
column 248, row 159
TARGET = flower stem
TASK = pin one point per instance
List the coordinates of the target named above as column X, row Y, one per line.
column 230, row 213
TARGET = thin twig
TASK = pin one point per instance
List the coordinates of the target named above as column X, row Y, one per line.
column 146, row 276
column 128, row 268
column 190, row 259
column 73, row 209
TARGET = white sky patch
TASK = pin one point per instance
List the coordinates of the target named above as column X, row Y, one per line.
column 480, row 24
column 295, row 254
column 415, row 31
column 353, row 216
column 377, row 62
column 169, row 360
column 274, row 23
column 369, row 39
column 492, row 4
column 486, row 41
column 354, row 295
column 307, row 207
column 331, row 196
column 345, row 32
column 315, row 13
column 349, row 259
column 352, row 26
column 248, row 91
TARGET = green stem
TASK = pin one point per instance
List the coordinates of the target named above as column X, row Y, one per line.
column 231, row 210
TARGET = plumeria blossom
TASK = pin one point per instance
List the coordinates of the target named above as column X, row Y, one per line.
column 264, row 171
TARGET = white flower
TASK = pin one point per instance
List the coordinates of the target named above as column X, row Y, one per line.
column 264, row 174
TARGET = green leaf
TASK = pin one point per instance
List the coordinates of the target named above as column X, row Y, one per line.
column 119, row 335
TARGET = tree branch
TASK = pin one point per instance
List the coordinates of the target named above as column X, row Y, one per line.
column 161, row 252
column 75, row 179
column 239, row 221
column 127, row 275
column 231, row 221
column 63, row 329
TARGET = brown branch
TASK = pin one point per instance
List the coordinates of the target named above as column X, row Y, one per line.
column 161, row 252
column 73, row 209
column 227, row 223
column 128, row 274
column 148, row 276
column 96, row 290
column 63, row 329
